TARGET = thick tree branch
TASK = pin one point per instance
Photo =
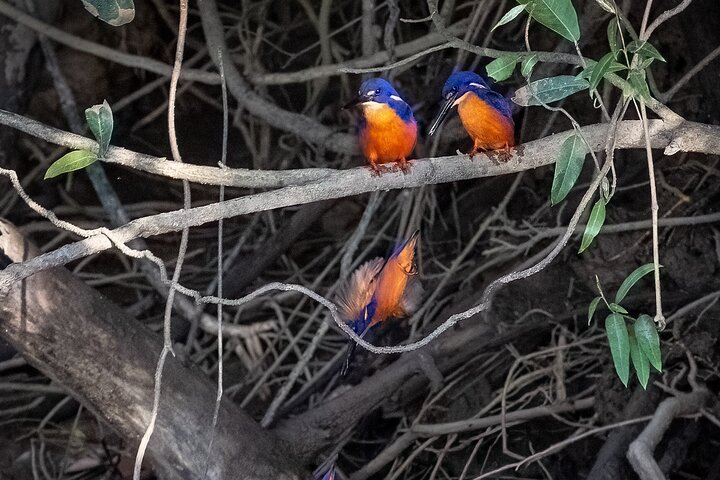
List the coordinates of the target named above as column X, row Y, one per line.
column 86, row 343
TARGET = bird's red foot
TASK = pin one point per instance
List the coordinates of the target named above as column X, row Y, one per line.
column 404, row 165
column 474, row 152
column 375, row 170
column 504, row 154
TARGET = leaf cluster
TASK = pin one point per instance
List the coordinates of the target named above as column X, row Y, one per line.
column 631, row 339
column 100, row 122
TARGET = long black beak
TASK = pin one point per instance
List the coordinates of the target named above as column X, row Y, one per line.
column 443, row 113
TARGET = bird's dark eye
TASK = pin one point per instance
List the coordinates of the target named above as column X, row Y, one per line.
column 377, row 92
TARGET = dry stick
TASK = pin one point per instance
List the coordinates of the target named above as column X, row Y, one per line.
column 559, row 446
column 237, row 177
column 668, row 95
column 665, row 16
column 223, row 164
column 167, row 340
column 659, row 317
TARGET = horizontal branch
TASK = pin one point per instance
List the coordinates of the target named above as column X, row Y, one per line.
column 687, row 136
column 229, row 177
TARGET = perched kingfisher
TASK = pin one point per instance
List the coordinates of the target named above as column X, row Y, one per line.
column 485, row 114
column 388, row 130
column 381, row 289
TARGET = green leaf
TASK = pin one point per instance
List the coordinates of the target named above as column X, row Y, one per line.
column 632, row 279
column 639, row 361
column 70, row 162
column 502, row 67
column 614, row 307
column 100, row 120
column 548, row 90
column 568, row 167
column 592, row 308
column 613, row 34
column 617, row 335
column 527, row 65
column 605, row 65
column 595, row 223
column 557, row 15
column 645, row 63
column 509, row 16
column 649, row 340
column 645, row 50
column 639, row 84
column 114, row 12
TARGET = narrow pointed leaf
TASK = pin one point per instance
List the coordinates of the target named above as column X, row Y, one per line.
column 75, row 160
column 649, row 340
column 100, row 120
column 557, row 15
column 510, row 16
column 592, row 308
column 568, row 167
column 632, row 279
column 639, row 84
column 114, row 12
column 645, row 50
column 605, row 65
column 617, row 308
column 639, row 361
column 548, row 90
column 595, row 223
column 617, row 335
column 613, row 36
column 527, row 65
column 502, row 67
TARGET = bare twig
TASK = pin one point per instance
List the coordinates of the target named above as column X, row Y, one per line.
column 659, row 317
column 167, row 339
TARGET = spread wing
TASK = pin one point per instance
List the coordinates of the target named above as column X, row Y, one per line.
column 356, row 294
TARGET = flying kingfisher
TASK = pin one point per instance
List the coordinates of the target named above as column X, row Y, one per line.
column 485, row 114
column 388, row 130
column 381, row 289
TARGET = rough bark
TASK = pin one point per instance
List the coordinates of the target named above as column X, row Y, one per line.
column 107, row 361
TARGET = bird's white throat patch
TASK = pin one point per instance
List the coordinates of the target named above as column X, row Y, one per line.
column 459, row 100
column 373, row 105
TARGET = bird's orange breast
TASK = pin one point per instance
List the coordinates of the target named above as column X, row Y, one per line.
column 392, row 282
column 489, row 129
column 385, row 137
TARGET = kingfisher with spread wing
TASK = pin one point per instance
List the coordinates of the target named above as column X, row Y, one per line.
column 381, row 289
